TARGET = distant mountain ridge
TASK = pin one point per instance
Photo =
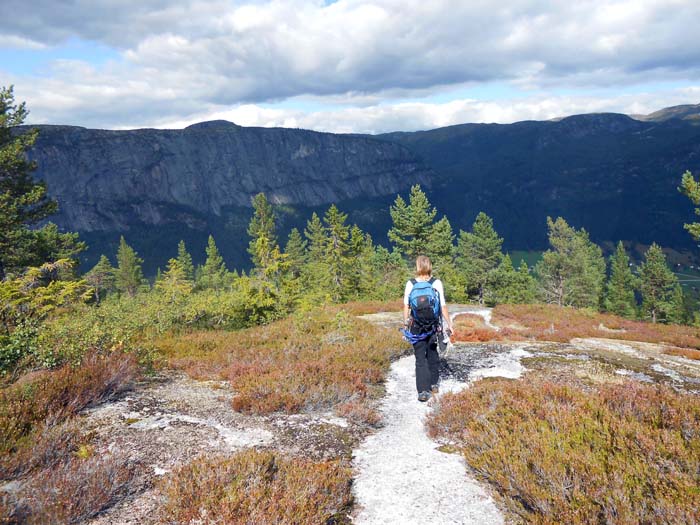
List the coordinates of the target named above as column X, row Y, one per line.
column 612, row 174
column 683, row 112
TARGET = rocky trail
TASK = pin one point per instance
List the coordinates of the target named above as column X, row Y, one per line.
column 402, row 476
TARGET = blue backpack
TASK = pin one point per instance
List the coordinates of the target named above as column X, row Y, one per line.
column 424, row 301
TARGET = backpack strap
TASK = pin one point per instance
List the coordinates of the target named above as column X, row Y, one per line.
column 413, row 282
column 432, row 280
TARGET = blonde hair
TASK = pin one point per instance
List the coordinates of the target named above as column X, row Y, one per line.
column 424, row 268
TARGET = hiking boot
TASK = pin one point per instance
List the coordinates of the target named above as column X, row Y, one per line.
column 435, row 389
column 423, row 396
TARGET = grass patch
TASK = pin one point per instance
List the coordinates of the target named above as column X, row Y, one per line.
column 310, row 361
column 258, row 487
column 555, row 323
column 572, row 453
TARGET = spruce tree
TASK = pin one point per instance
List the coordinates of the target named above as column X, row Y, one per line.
column 524, row 288
column 315, row 273
column 214, row 274
column 659, row 287
column 25, row 203
column 510, row 285
column 361, row 279
column 262, row 232
column 691, row 189
column 412, row 223
column 174, row 282
column 572, row 272
column 441, row 250
column 128, row 275
column 479, row 254
column 619, row 291
column 315, row 233
column 185, row 260
column 391, row 273
column 336, row 253
column 102, row 278
column 295, row 250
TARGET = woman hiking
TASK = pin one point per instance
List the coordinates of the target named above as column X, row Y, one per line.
column 423, row 306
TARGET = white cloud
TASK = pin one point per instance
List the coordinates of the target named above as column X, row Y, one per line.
column 185, row 58
column 420, row 115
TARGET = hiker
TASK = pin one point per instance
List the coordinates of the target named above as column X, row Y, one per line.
column 423, row 307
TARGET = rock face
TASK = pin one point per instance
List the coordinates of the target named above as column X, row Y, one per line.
column 111, row 180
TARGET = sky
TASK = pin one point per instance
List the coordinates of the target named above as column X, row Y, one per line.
column 350, row 66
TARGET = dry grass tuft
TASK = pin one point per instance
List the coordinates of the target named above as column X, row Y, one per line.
column 555, row 323
column 561, row 453
column 315, row 361
column 472, row 328
column 258, row 487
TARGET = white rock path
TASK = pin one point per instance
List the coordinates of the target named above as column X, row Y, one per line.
column 401, row 476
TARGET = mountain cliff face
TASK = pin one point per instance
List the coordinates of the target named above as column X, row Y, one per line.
column 113, row 180
column 611, row 174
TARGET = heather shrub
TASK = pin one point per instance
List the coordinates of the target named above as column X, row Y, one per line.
column 31, row 407
column 573, row 454
column 471, row 328
column 71, row 492
column 258, row 487
column 557, row 323
column 308, row 361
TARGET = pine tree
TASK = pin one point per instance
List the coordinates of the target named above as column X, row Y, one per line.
column 572, row 272
column 185, row 260
column 263, row 237
column 128, row 275
column 619, row 291
column 214, row 274
column 24, row 203
column 479, row 254
column 412, row 223
column 174, row 282
column 102, row 278
column 659, row 287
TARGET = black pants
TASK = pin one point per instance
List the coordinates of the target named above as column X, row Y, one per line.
column 427, row 364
